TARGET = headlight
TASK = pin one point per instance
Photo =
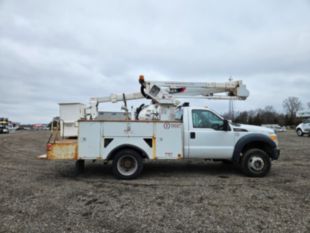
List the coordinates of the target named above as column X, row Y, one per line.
column 274, row 138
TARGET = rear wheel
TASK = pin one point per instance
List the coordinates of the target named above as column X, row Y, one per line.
column 256, row 163
column 299, row 133
column 127, row 164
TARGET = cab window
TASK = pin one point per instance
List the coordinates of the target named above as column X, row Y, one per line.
column 179, row 114
column 206, row 119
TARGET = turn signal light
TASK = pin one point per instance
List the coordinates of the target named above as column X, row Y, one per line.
column 141, row 79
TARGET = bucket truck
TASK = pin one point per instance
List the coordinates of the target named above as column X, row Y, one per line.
column 163, row 130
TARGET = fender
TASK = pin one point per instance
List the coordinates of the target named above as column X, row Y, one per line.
column 127, row 146
column 255, row 138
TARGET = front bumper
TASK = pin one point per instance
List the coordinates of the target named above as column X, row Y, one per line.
column 276, row 154
column 307, row 131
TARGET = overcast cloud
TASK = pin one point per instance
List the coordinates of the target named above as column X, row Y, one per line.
column 60, row 51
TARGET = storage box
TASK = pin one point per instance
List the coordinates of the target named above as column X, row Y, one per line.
column 69, row 114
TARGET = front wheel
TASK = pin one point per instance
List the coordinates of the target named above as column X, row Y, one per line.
column 299, row 132
column 256, row 163
column 127, row 164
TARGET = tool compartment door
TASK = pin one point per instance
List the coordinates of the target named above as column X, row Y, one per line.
column 89, row 140
column 169, row 140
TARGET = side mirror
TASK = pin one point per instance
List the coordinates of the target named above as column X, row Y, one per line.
column 226, row 126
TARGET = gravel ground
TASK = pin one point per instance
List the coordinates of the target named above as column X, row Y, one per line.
column 179, row 196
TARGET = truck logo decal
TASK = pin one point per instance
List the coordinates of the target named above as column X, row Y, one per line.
column 167, row 126
column 172, row 125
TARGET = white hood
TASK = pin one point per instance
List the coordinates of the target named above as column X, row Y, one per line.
column 254, row 128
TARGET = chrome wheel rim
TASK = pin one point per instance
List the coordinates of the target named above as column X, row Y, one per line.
column 256, row 164
column 127, row 165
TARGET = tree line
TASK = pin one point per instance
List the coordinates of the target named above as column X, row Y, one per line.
column 269, row 115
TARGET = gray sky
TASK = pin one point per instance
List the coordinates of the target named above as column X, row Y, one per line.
column 59, row 51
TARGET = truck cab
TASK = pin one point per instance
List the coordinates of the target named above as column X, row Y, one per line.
column 207, row 135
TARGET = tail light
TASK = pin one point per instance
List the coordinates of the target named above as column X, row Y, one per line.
column 49, row 147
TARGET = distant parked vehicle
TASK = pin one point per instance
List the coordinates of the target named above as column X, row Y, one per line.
column 4, row 122
column 4, row 129
column 303, row 128
column 23, row 127
column 275, row 127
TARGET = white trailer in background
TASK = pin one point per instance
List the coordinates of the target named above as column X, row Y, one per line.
column 166, row 130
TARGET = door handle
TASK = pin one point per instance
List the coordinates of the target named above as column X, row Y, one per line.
column 192, row 135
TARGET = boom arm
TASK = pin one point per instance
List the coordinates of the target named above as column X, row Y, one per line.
column 114, row 98
column 165, row 93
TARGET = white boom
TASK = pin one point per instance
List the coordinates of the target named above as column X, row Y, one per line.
column 92, row 110
column 166, row 93
column 161, row 91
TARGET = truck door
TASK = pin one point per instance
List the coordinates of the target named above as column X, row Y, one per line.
column 206, row 138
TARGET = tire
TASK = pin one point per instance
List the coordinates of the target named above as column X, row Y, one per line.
column 255, row 163
column 299, row 133
column 127, row 164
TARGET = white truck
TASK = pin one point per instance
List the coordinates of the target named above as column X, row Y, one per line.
column 164, row 131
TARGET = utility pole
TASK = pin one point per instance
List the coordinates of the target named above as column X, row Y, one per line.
column 231, row 112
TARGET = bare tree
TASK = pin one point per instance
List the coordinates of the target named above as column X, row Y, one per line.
column 292, row 105
column 269, row 108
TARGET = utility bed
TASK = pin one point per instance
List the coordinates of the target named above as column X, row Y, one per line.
column 99, row 139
